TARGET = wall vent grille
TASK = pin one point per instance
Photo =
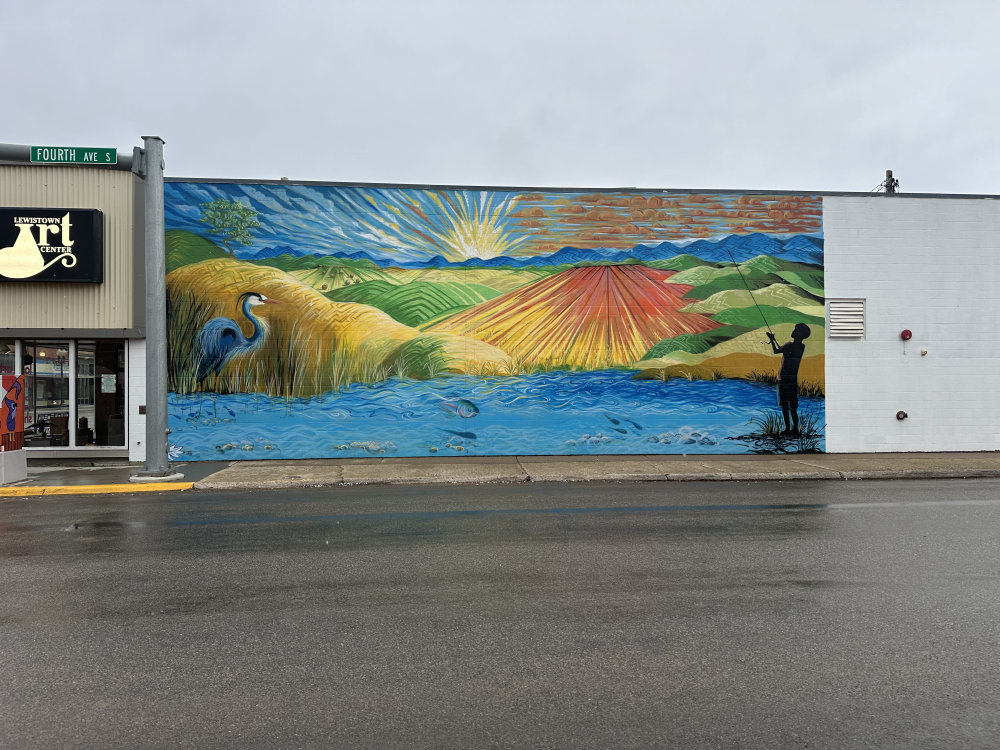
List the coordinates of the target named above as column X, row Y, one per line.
column 846, row 318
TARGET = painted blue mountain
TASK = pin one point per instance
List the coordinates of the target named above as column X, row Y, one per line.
column 800, row 248
column 738, row 247
column 271, row 252
column 805, row 247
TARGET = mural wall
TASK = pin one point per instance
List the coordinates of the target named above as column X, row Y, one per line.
column 310, row 321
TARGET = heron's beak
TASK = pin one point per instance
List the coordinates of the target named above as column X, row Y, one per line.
column 270, row 301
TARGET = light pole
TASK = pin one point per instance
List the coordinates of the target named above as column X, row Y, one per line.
column 151, row 168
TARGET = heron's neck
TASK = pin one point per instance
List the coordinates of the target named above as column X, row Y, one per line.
column 260, row 329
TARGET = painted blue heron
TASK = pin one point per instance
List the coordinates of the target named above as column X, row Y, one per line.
column 221, row 338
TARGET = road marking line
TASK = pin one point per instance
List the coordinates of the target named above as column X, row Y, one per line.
column 94, row 489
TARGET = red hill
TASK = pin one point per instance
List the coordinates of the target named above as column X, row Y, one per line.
column 592, row 317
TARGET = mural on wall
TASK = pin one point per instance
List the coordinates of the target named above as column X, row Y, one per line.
column 310, row 321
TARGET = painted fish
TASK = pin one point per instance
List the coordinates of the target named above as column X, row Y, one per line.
column 461, row 407
column 615, row 421
column 466, row 435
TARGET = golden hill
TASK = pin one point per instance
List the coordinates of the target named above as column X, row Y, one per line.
column 741, row 357
column 315, row 345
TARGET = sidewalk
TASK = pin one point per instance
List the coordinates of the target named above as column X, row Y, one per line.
column 251, row 475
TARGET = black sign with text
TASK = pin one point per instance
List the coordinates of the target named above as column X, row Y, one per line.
column 52, row 244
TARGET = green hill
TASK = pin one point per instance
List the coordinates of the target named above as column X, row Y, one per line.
column 810, row 280
column 183, row 248
column 756, row 273
column 417, row 302
column 777, row 295
column 753, row 317
column 334, row 276
column 695, row 343
column 679, row 263
column 288, row 262
column 727, row 281
column 770, row 264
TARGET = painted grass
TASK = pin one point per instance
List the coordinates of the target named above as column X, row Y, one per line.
column 806, row 387
column 756, row 368
column 770, row 430
column 185, row 312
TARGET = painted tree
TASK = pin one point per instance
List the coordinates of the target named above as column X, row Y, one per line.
column 231, row 220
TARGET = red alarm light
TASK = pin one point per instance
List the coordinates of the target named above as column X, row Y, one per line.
column 906, row 334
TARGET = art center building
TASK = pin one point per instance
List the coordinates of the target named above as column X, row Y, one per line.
column 72, row 307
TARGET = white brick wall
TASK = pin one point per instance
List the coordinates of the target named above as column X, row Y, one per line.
column 136, row 422
column 931, row 265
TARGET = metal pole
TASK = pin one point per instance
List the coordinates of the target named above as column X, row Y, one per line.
column 157, row 466
column 891, row 183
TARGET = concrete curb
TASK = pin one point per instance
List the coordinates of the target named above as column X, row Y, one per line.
column 341, row 480
column 921, row 474
column 310, row 473
column 511, row 478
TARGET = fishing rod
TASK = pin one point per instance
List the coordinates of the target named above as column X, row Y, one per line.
column 750, row 292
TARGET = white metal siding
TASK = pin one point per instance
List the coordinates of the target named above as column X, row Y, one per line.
column 927, row 265
column 109, row 305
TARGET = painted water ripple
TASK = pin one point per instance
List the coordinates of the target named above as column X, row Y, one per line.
column 556, row 413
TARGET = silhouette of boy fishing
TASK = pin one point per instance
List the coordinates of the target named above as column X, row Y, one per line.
column 791, row 357
column 788, row 375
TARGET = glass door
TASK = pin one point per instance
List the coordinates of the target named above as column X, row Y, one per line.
column 100, row 393
column 46, row 393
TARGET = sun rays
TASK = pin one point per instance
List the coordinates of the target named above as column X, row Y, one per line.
column 454, row 225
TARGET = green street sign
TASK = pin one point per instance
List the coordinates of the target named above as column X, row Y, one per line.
column 73, row 155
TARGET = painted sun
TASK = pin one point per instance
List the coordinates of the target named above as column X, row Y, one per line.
column 456, row 226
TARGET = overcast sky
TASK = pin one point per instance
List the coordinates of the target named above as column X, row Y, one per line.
column 591, row 93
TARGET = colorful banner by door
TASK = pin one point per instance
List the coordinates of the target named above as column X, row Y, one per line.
column 12, row 413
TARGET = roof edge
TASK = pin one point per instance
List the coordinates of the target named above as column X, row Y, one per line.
column 565, row 189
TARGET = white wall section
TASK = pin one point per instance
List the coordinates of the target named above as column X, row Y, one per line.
column 929, row 265
column 136, row 422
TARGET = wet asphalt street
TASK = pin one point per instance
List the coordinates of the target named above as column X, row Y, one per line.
column 796, row 614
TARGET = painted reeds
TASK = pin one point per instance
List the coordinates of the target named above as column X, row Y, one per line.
column 806, row 387
column 314, row 345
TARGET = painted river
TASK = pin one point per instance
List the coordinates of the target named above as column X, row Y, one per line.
column 555, row 413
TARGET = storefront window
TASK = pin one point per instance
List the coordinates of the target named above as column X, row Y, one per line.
column 100, row 393
column 7, row 356
column 46, row 393
column 67, row 408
